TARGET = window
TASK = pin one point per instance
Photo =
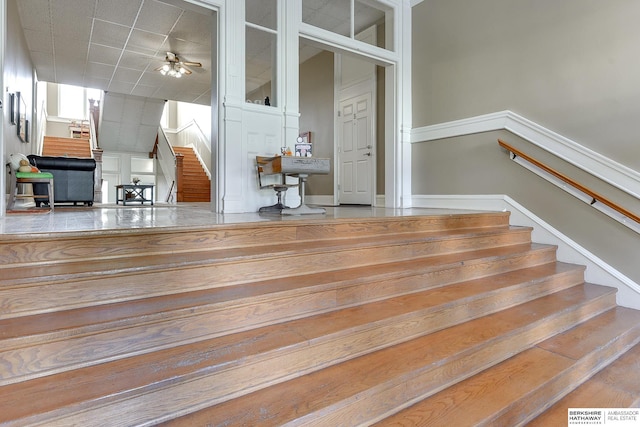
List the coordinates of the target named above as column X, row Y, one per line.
column 73, row 101
column 261, row 45
column 349, row 18
column 143, row 168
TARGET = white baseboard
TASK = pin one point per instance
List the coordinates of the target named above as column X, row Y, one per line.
column 329, row 200
column 612, row 172
column 598, row 271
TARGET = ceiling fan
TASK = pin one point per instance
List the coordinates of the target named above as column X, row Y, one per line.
column 175, row 67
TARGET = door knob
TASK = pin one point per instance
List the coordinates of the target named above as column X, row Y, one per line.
column 367, row 154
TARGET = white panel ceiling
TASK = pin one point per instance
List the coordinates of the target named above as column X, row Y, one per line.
column 129, row 123
column 116, row 45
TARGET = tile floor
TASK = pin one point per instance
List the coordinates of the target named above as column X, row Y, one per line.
column 109, row 217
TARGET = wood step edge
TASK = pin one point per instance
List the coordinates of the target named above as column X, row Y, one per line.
column 615, row 386
column 460, row 302
column 29, row 249
column 206, row 387
column 605, row 350
column 412, row 246
column 413, row 369
column 303, row 228
column 265, row 247
column 356, row 286
column 76, row 292
column 516, row 390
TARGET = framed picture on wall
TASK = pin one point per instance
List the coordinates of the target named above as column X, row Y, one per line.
column 12, row 108
column 21, row 117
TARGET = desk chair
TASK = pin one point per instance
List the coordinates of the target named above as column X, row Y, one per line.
column 279, row 187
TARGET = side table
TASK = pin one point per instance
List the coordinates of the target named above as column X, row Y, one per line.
column 127, row 193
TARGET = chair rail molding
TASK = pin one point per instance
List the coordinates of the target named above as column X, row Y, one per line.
column 610, row 171
column 597, row 272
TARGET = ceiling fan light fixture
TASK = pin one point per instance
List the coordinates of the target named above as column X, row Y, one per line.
column 174, row 67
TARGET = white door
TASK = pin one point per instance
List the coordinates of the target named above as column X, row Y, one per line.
column 356, row 151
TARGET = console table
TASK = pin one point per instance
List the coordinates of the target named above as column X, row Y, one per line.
column 135, row 193
column 300, row 167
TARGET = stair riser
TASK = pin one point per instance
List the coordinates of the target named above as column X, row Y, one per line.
column 70, row 293
column 144, row 338
column 523, row 410
column 381, row 401
column 363, row 408
column 22, row 249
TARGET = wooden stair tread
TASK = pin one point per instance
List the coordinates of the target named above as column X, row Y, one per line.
column 158, row 282
column 21, row 248
column 439, row 319
column 404, row 371
column 356, row 286
column 196, row 184
column 533, row 320
column 615, row 386
column 61, row 147
column 171, row 259
column 457, row 301
column 511, row 392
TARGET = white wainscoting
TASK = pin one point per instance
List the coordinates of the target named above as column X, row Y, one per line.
column 616, row 174
column 598, row 271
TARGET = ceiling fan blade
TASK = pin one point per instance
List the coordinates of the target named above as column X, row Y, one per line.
column 186, row 70
column 192, row 64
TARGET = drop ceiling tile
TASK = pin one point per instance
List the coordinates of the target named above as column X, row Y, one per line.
column 152, row 112
column 118, row 11
column 100, row 71
column 112, row 107
column 134, row 60
column 157, row 17
column 142, row 90
column 103, row 54
column 121, row 87
column 194, row 27
column 132, row 113
column 96, row 83
column 70, row 48
column 34, row 14
column 39, row 41
column 42, row 59
column 73, row 26
column 70, row 74
column 154, row 78
column 146, row 42
column 71, row 9
column 109, row 34
column 108, row 135
column 127, row 75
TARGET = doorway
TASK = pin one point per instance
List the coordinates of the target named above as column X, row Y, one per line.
column 356, row 151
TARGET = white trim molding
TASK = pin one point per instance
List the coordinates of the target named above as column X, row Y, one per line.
column 610, row 171
column 598, row 271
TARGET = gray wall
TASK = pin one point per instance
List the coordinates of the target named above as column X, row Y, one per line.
column 18, row 77
column 316, row 115
column 570, row 66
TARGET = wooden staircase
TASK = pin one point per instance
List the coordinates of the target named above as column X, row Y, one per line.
column 452, row 320
column 66, row 147
column 196, row 183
